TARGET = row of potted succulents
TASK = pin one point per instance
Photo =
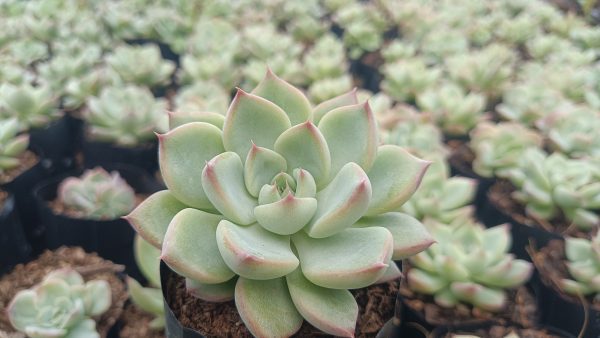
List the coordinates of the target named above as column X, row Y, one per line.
column 511, row 98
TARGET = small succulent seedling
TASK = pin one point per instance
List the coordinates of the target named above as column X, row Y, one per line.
column 294, row 206
column 406, row 78
column 528, row 102
column 126, row 116
column 141, row 65
column 363, row 27
column 148, row 299
column 486, row 71
column 468, row 264
column 202, row 97
column 34, row 107
column 442, row 198
column 498, row 147
column 97, row 195
column 455, row 111
column 551, row 185
column 61, row 306
column 584, row 266
column 12, row 145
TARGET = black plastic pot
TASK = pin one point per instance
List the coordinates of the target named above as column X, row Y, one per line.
column 175, row 329
column 522, row 234
column 14, row 247
column 442, row 332
column 563, row 313
column 102, row 153
column 111, row 239
column 56, row 141
column 21, row 187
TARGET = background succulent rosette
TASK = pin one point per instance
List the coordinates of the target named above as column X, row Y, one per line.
column 283, row 207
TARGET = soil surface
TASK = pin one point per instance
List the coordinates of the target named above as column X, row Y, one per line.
column 26, row 161
column 376, row 306
column 59, row 208
column 91, row 267
column 3, row 198
column 461, row 158
column 521, row 309
column 500, row 195
column 501, row 332
column 135, row 324
column 550, row 261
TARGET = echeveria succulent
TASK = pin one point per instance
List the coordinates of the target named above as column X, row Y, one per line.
column 406, row 78
column 284, row 208
column 469, row 264
column 61, row 306
column 363, row 27
column 442, row 198
column 486, row 71
column 69, row 65
column 33, row 107
column 498, row 147
column 455, row 111
column 141, row 65
column 549, row 185
column 584, row 266
column 527, row 102
column 11, row 144
column 96, row 194
column 127, row 116
column 148, row 299
column 573, row 131
column 202, row 96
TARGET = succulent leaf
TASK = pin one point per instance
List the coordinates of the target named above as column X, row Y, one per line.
column 181, row 151
column 255, row 253
column 326, row 309
column 152, row 217
column 325, row 107
column 286, row 216
column 266, row 307
column 189, row 247
column 261, row 166
column 220, row 292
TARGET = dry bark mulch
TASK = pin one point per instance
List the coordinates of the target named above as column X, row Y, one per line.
column 500, row 195
column 26, row 161
column 89, row 265
column 376, row 306
column 135, row 324
column 550, row 261
column 462, row 157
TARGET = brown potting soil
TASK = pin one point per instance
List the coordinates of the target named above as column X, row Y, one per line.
column 500, row 195
column 135, row 324
column 59, row 208
column 89, row 265
column 26, row 161
column 461, row 157
column 520, row 309
column 501, row 332
column 3, row 198
column 550, row 261
column 376, row 306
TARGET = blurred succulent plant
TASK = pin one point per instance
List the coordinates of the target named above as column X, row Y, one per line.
column 126, row 116
column 573, row 131
column 551, row 185
column 141, row 65
column 326, row 59
column 26, row 51
column 528, row 102
column 202, row 97
column 406, row 78
column 583, row 263
column 60, row 306
column 148, row 299
column 325, row 89
column 34, row 107
column 63, row 67
column 12, row 145
column 498, row 147
column 363, row 27
column 455, row 111
column 335, row 189
column 468, row 264
column 13, row 73
column 441, row 43
column 487, row 70
column 543, row 46
column 97, row 195
column 518, row 30
column 79, row 90
column 397, row 50
column 442, row 198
